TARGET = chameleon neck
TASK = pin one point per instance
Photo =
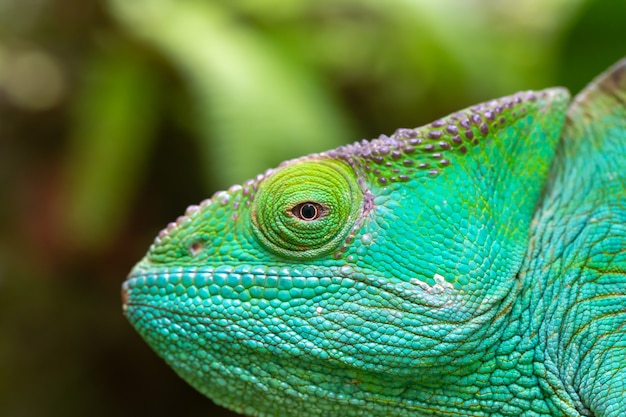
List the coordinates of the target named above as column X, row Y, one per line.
column 574, row 276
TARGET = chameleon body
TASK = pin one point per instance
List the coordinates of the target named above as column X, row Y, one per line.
column 475, row 266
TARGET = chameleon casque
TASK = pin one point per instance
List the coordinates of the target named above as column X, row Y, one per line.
column 475, row 266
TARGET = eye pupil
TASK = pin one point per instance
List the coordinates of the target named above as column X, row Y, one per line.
column 307, row 211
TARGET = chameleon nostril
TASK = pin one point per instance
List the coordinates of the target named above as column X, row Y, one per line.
column 195, row 248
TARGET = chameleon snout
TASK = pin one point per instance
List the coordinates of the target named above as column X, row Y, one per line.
column 125, row 298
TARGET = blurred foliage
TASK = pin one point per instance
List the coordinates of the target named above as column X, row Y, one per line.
column 116, row 115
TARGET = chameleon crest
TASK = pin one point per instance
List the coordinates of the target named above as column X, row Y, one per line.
column 470, row 267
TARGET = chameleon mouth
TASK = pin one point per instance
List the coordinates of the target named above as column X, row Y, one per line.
column 173, row 288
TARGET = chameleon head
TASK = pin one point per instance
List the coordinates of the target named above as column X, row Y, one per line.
column 355, row 275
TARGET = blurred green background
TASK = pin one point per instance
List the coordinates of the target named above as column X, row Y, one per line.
column 114, row 116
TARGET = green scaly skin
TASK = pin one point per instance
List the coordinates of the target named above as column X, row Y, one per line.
column 475, row 266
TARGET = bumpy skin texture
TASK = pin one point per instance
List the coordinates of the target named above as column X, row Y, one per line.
column 471, row 267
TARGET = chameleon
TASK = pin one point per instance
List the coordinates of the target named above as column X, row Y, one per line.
column 474, row 266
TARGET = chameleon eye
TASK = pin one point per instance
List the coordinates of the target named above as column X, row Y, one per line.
column 308, row 211
column 307, row 208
